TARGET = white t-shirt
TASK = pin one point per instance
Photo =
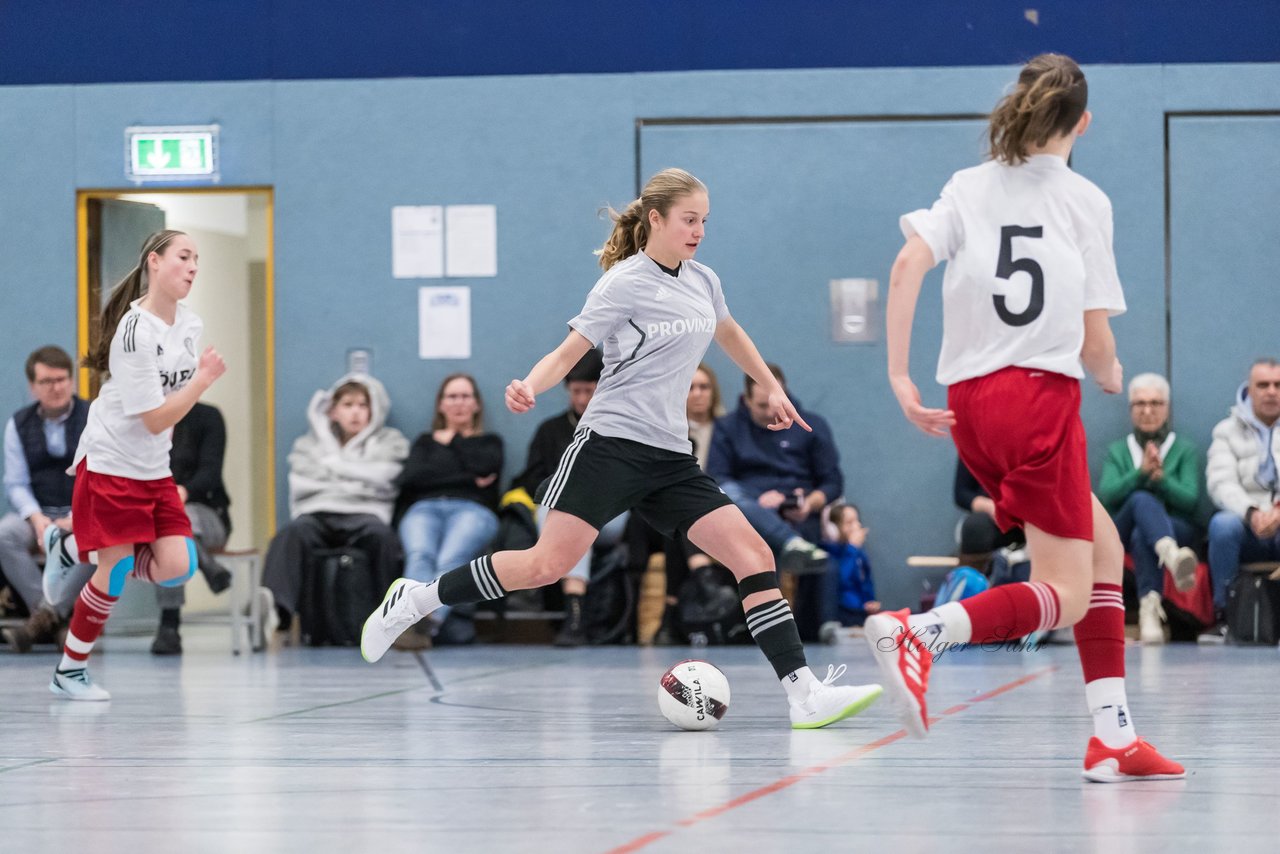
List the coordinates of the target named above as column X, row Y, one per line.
column 1028, row 252
column 655, row 328
column 149, row 360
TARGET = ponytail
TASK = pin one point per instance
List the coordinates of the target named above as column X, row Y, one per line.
column 631, row 227
column 130, row 288
column 1048, row 100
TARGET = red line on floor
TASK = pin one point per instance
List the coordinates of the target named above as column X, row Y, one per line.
column 843, row 759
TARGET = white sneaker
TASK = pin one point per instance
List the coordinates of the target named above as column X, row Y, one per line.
column 904, row 661
column 1151, row 619
column 829, row 703
column 75, row 684
column 1180, row 561
column 396, row 614
column 268, row 619
column 801, row 557
column 60, row 559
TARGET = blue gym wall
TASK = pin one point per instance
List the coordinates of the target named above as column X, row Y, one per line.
column 549, row 150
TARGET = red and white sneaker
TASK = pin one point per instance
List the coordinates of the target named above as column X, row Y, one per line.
column 904, row 662
column 1138, row 761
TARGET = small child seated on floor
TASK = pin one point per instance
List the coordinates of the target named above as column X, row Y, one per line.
column 857, row 590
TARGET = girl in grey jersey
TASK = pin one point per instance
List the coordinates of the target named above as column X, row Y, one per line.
column 655, row 311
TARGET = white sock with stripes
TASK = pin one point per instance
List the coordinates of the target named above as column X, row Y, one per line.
column 426, row 599
column 945, row 624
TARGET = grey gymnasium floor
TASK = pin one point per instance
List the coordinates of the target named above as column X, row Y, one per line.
column 523, row 748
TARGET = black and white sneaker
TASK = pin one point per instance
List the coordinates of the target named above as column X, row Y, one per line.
column 75, row 684
column 60, row 558
column 396, row 614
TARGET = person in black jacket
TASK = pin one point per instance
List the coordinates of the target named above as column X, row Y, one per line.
column 199, row 444
column 448, row 500
column 549, row 443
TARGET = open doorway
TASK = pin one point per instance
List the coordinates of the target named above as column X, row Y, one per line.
column 232, row 228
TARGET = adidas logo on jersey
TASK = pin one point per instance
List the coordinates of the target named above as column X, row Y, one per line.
column 662, row 294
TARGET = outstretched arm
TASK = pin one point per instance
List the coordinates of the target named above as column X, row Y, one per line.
column 905, row 279
column 549, row 371
column 733, row 339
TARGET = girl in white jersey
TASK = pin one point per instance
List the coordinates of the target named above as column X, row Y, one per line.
column 1029, row 287
column 656, row 311
column 125, row 505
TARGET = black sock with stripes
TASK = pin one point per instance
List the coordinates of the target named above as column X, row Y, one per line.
column 474, row 582
column 775, row 632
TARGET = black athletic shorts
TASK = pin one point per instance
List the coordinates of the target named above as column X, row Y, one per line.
column 599, row 477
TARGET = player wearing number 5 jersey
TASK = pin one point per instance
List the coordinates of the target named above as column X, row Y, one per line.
column 1029, row 288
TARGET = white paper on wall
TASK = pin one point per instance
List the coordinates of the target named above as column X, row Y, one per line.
column 444, row 323
column 471, row 240
column 417, row 241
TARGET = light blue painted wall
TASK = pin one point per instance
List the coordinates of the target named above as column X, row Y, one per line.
column 549, row 151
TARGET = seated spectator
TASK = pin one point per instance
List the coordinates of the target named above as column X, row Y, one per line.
column 979, row 533
column 703, row 406
column 781, row 480
column 341, row 489
column 40, row 442
column 199, row 444
column 1151, row 486
column 857, row 599
column 549, row 443
column 448, row 502
column 1243, row 483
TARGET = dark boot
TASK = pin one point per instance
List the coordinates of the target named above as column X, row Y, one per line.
column 217, row 576
column 669, row 633
column 40, row 627
column 167, row 640
column 572, row 632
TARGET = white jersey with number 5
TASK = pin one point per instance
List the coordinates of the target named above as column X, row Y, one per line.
column 1028, row 252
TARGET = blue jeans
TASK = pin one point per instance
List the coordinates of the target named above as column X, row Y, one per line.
column 1140, row 521
column 769, row 524
column 440, row 534
column 1232, row 542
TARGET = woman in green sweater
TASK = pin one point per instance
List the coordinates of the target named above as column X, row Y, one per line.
column 1151, row 486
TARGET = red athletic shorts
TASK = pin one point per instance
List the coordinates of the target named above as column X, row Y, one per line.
column 1019, row 432
column 113, row 511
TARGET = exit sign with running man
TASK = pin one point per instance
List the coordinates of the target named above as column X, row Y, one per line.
column 171, row 153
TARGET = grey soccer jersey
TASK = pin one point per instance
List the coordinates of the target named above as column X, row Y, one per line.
column 655, row 328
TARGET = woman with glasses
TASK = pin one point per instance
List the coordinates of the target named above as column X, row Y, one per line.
column 1151, row 486
column 448, row 502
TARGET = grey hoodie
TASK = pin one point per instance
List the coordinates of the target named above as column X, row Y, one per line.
column 1242, row 470
column 328, row 477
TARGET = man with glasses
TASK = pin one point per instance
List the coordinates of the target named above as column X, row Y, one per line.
column 39, row 443
column 1244, row 485
column 1151, row 486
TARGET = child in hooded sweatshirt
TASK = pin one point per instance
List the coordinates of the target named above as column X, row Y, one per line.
column 341, row 489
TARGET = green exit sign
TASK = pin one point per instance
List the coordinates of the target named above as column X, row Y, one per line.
column 169, row 153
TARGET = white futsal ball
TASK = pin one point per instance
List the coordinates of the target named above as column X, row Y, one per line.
column 693, row 695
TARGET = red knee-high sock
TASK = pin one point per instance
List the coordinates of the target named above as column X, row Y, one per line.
column 91, row 612
column 1011, row 611
column 143, row 562
column 1100, row 635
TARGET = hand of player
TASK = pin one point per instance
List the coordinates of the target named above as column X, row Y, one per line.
column 983, row 504
column 1113, row 381
column 519, row 396
column 183, row 494
column 211, row 366
column 934, row 422
column 784, row 413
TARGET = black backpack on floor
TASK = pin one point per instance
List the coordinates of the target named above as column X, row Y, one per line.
column 710, row 610
column 338, row 593
column 1253, row 609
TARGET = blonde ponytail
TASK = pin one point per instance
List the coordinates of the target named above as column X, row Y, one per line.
column 631, row 227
